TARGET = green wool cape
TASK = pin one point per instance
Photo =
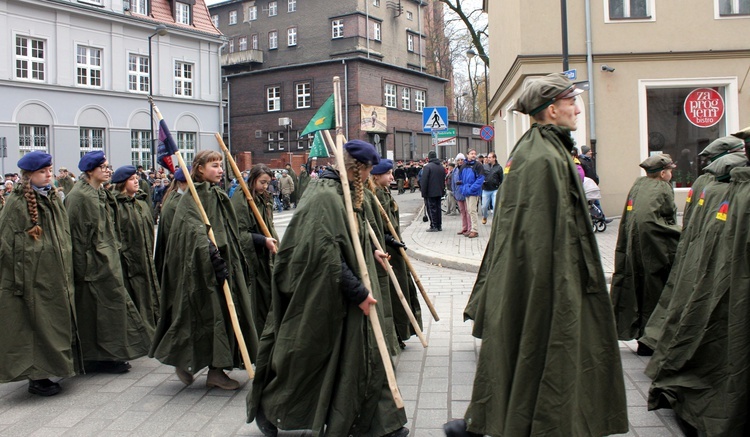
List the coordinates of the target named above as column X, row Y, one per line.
column 166, row 217
column 318, row 365
column 259, row 259
column 550, row 361
column 137, row 239
column 109, row 324
column 646, row 245
column 304, row 181
column 196, row 330
column 703, row 371
column 37, row 314
column 404, row 330
column 693, row 197
column 295, row 194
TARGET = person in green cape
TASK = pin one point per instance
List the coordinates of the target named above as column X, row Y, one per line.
column 259, row 249
column 137, row 237
column 381, row 177
column 197, row 331
column 318, row 367
column 39, row 339
column 110, row 327
column 550, row 361
column 294, row 197
column 169, row 204
column 304, row 181
column 646, row 245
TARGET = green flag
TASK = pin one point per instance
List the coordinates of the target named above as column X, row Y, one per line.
column 325, row 118
column 318, row 149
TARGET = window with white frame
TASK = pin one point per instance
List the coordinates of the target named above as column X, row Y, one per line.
column 89, row 66
column 410, row 42
column 301, row 142
column 252, row 13
column 291, row 5
column 376, row 31
column 406, row 99
column 420, row 99
column 29, row 58
column 304, row 96
column 231, row 46
column 139, row 7
column 140, row 148
column 243, row 43
column 291, row 36
column 232, row 17
column 409, row 16
column 183, row 79
column 270, row 138
column 138, row 73
column 273, row 98
column 376, row 3
column 273, row 9
column 182, row 13
column 337, row 29
column 254, row 41
column 273, row 39
column 390, row 95
column 282, row 139
column 186, row 144
column 215, row 20
column 91, row 139
column 734, row 7
column 31, row 138
column 629, row 9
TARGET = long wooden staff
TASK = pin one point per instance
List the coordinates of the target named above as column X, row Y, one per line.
column 399, row 292
column 227, row 291
column 408, row 263
column 353, row 228
column 243, row 185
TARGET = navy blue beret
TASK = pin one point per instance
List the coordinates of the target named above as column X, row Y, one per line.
column 382, row 167
column 362, row 151
column 34, row 161
column 91, row 160
column 123, row 173
column 179, row 175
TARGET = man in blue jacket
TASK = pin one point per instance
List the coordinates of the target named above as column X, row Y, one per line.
column 472, row 178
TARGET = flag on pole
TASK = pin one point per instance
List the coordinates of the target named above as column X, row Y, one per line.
column 166, row 147
column 325, row 118
column 318, row 149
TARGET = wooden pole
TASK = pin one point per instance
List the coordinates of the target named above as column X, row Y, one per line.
column 353, row 228
column 227, row 291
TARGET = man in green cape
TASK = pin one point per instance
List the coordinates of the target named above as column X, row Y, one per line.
column 304, row 180
column 294, row 197
column 646, row 245
column 549, row 362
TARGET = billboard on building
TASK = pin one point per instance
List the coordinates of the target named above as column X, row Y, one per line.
column 374, row 119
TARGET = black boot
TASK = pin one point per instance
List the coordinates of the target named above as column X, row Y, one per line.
column 401, row 432
column 643, row 350
column 457, row 428
column 43, row 387
column 264, row 425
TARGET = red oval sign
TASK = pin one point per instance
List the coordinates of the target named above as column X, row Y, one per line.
column 704, row 107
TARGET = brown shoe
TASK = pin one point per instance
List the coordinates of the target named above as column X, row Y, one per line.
column 484, row 220
column 217, row 378
column 185, row 376
column 460, row 232
column 473, row 235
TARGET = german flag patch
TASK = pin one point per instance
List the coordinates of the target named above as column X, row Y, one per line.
column 723, row 210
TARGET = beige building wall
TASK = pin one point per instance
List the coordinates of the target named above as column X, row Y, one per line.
column 683, row 44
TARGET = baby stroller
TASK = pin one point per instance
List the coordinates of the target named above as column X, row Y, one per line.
column 593, row 193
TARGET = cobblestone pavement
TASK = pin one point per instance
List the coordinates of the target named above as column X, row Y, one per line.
column 435, row 382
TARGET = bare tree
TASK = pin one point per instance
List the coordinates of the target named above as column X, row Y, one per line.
column 471, row 14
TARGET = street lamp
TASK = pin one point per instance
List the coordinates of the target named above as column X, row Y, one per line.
column 458, row 123
column 160, row 30
column 471, row 54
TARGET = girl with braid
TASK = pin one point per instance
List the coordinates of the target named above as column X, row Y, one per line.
column 318, row 367
column 38, row 337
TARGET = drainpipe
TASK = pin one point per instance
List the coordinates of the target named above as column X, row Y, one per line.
column 367, row 25
column 590, row 74
column 346, row 97
column 419, row 37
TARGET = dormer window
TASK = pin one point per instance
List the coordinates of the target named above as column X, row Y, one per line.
column 183, row 13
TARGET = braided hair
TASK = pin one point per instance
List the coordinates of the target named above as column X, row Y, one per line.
column 35, row 231
column 356, row 167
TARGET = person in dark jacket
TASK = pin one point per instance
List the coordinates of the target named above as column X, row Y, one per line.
column 586, row 158
column 472, row 178
column 400, row 174
column 432, row 185
column 411, row 172
column 491, row 185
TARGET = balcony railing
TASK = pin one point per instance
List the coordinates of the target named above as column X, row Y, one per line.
column 243, row 57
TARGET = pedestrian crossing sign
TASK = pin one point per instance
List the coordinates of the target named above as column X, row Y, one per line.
column 435, row 118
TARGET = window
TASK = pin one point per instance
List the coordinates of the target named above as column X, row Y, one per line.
column 273, row 9
column 734, row 7
column 405, row 99
column 140, row 148
column 337, row 29
column 390, row 95
column 252, row 13
column 254, row 41
column 376, row 3
column 420, row 98
column 409, row 16
column 186, row 144
column 91, row 139
column 301, row 142
column 410, row 42
column 291, row 5
column 89, row 66
column 232, row 17
column 243, row 43
column 29, row 58
column 182, row 13
column 376, row 31
column 273, row 39
column 271, row 137
column 273, row 98
column 303, row 95
column 138, row 73
column 291, row 36
column 282, row 139
column 624, row 9
column 215, row 20
column 139, row 7
column 32, row 138
column 231, row 46
column 183, row 79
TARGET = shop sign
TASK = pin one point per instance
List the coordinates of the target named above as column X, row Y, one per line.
column 704, row 107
